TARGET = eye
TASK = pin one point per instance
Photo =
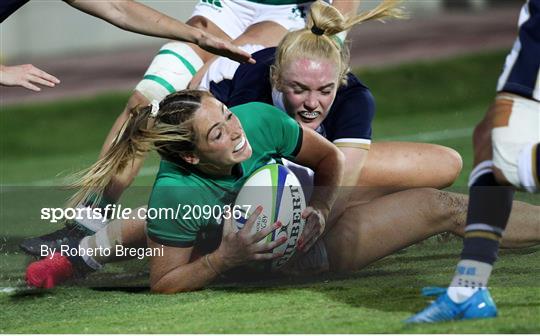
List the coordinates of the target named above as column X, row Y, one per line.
column 326, row 93
column 218, row 135
column 229, row 117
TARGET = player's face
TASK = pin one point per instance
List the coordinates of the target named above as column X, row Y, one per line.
column 309, row 88
column 220, row 139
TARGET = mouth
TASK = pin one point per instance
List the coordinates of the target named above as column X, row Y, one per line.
column 309, row 116
column 241, row 145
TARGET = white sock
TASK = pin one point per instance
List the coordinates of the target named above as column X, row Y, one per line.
column 470, row 276
column 100, row 246
column 88, row 260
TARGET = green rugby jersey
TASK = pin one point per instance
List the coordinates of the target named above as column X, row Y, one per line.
column 272, row 135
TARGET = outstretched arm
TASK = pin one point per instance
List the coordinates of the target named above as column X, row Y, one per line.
column 138, row 18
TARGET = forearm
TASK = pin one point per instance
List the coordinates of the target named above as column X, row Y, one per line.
column 192, row 276
column 328, row 179
column 136, row 17
column 354, row 162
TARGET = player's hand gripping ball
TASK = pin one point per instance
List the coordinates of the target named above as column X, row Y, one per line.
column 279, row 192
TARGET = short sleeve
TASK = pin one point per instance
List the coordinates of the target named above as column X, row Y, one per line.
column 349, row 122
column 167, row 222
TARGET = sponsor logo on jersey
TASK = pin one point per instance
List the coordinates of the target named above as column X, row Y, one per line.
column 216, row 4
column 298, row 12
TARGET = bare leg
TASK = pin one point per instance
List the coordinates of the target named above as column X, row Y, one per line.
column 134, row 233
column 267, row 34
column 395, row 166
column 204, row 24
column 127, row 233
column 376, row 229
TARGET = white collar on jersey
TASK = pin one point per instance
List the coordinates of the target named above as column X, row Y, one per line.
column 277, row 99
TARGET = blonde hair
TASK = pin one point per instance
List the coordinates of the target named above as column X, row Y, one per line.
column 170, row 132
column 318, row 39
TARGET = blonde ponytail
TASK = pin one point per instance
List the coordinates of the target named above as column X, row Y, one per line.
column 127, row 146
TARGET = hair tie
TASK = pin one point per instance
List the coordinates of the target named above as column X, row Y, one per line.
column 155, row 109
column 317, row 31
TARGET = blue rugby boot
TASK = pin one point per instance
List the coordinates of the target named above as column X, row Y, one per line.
column 479, row 305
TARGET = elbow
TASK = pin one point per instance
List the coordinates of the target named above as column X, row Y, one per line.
column 159, row 288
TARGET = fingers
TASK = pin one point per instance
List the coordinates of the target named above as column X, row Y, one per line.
column 227, row 49
column 40, row 80
column 237, row 54
column 30, row 86
column 308, row 243
column 47, row 78
column 27, row 76
column 258, row 236
column 272, row 245
column 252, row 219
column 312, row 230
column 266, row 256
column 307, row 236
column 307, row 233
column 228, row 226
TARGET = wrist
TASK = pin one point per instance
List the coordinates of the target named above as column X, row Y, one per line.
column 219, row 262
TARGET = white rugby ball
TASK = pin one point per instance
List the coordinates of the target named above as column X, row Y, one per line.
column 278, row 191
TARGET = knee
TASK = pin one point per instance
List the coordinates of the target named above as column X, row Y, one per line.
column 499, row 177
column 452, row 162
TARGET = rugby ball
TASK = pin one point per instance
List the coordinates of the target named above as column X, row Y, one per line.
column 278, row 191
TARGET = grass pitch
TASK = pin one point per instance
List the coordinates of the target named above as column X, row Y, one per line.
column 435, row 102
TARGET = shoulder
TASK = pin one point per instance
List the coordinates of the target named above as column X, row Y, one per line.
column 256, row 110
column 251, row 82
column 352, row 113
column 354, row 96
column 264, row 59
column 173, row 185
column 257, row 115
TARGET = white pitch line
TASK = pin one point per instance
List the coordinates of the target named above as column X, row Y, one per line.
column 448, row 134
column 7, row 290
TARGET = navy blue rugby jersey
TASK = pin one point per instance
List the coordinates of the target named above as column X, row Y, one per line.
column 348, row 122
column 521, row 74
